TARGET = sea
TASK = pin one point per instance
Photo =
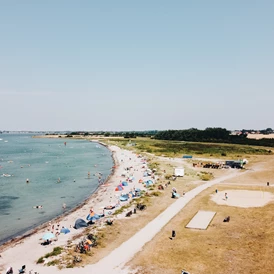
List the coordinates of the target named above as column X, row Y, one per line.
column 51, row 172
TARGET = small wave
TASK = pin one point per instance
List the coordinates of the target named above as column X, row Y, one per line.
column 5, row 175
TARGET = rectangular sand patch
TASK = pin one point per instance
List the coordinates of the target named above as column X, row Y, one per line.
column 201, row 220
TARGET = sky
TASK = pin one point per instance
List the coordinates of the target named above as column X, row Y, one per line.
column 136, row 65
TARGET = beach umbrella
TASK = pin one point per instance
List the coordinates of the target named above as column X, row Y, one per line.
column 48, row 236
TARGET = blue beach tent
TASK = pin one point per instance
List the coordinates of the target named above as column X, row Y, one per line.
column 65, row 230
column 124, row 197
column 125, row 183
column 119, row 188
column 79, row 223
column 149, row 183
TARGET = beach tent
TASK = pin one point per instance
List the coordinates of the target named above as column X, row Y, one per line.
column 79, row 223
column 124, row 197
column 124, row 183
column 149, row 183
column 145, row 174
column 119, row 188
column 93, row 217
column 65, row 230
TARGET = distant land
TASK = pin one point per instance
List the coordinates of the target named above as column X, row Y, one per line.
column 251, row 133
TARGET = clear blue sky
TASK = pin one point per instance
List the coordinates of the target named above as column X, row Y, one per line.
column 136, row 65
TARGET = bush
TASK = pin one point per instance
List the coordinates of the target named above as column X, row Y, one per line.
column 206, row 176
column 40, row 260
column 54, row 262
column 56, row 251
column 168, row 176
column 156, row 193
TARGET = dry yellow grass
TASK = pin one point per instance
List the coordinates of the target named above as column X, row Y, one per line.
column 242, row 246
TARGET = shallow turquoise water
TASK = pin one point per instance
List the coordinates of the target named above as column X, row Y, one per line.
column 43, row 162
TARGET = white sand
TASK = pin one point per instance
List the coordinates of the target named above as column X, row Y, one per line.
column 243, row 198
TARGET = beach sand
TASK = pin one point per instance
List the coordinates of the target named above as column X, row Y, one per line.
column 27, row 250
column 243, row 198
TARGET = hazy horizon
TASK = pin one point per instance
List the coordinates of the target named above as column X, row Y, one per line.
column 124, row 65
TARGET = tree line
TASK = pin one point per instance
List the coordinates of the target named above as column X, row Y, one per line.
column 211, row 135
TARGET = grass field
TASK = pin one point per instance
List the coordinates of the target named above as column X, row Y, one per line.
column 177, row 149
column 242, row 246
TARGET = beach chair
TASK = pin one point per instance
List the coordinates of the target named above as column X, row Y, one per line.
column 22, row 270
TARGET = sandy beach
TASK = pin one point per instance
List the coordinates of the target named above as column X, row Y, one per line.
column 27, row 250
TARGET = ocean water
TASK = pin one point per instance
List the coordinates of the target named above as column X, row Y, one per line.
column 43, row 162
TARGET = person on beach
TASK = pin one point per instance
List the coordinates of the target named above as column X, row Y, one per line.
column 9, row 270
column 226, row 197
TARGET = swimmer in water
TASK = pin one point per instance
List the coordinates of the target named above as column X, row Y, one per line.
column 38, row 206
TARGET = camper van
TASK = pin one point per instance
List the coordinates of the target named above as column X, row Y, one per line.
column 179, row 172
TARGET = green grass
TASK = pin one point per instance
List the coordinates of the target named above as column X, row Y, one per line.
column 40, row 260
column 54, row 262
column 121, row 210
column 56, row 251
column 179, row 148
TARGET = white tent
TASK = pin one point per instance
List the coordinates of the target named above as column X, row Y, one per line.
column 179, row 172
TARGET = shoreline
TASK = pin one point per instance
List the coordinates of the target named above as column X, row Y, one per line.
column 28, row 249
column 22, row 236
